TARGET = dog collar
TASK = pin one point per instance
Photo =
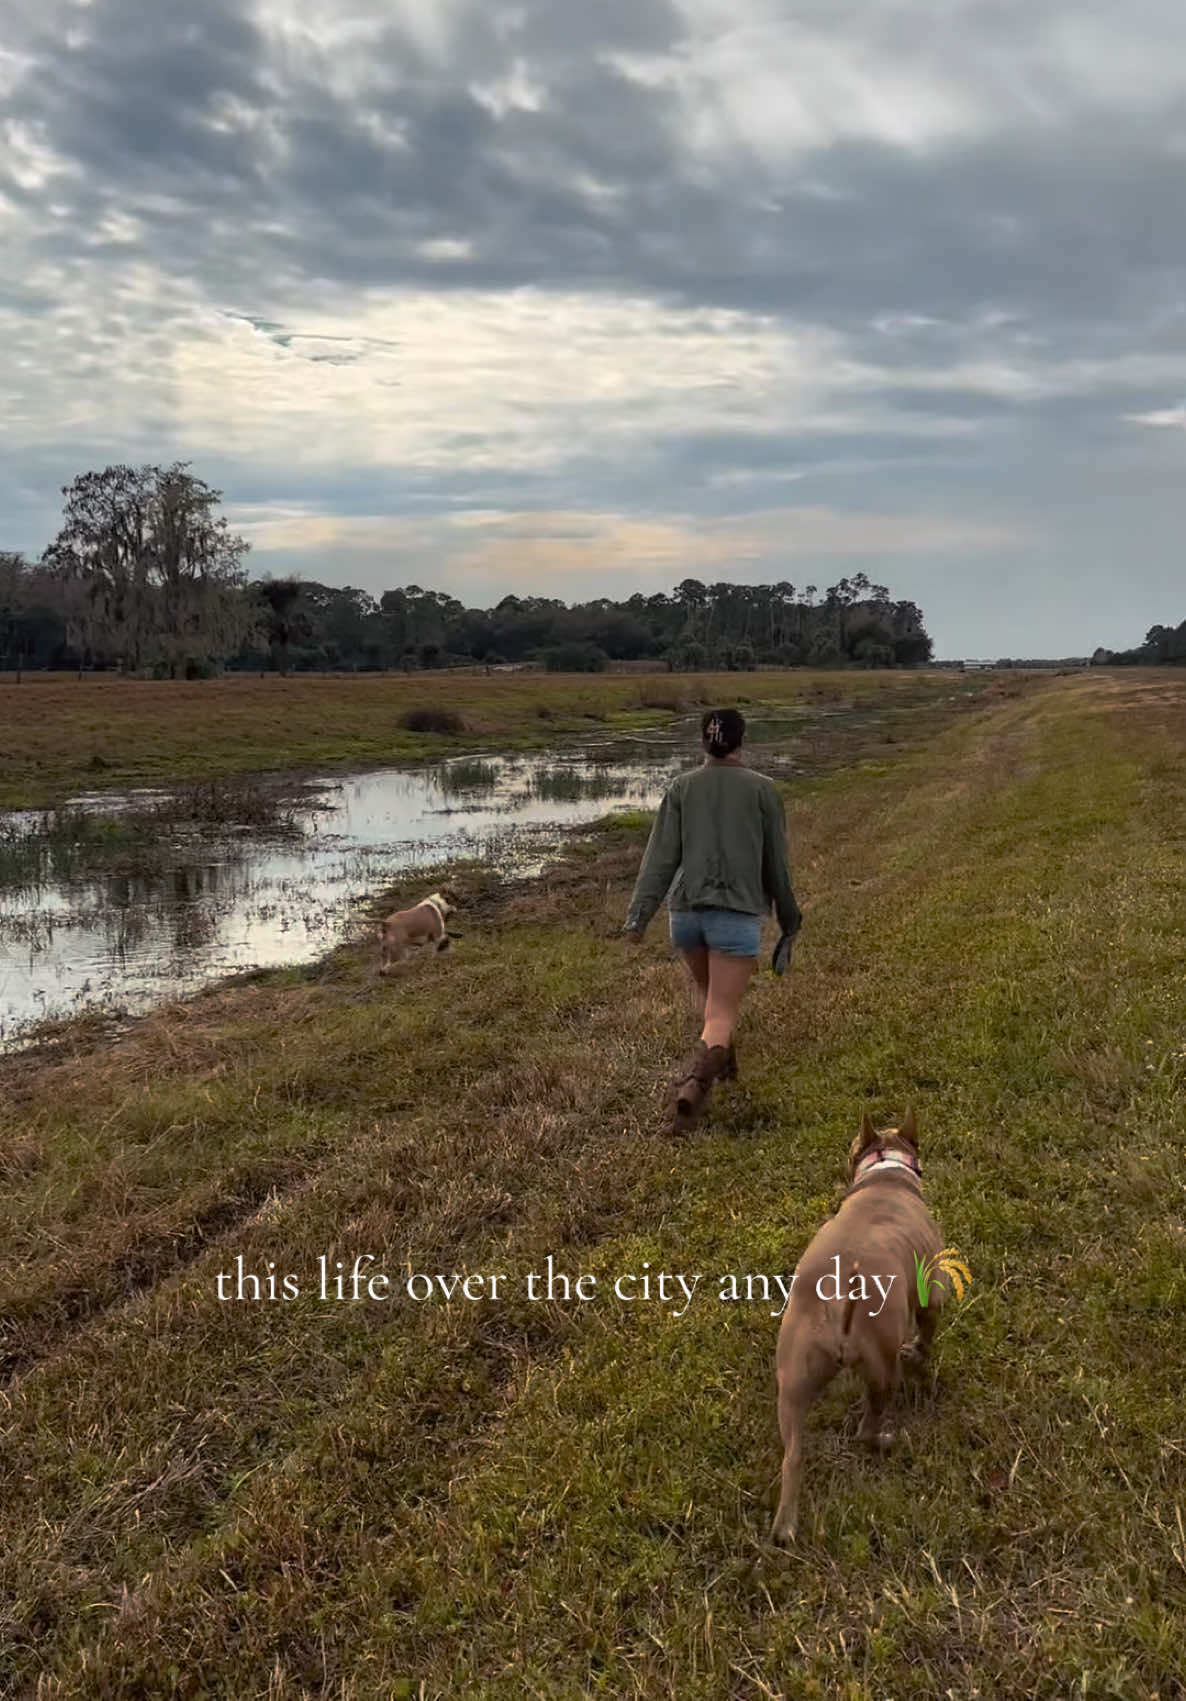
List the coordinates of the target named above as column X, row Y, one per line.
column 434, row 904
column 879, row 1158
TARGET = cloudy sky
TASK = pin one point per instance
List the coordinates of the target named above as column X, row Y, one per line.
column 581, row 297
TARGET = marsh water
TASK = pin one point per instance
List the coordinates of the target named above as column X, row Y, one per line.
column 119, row 903
column 93, row 913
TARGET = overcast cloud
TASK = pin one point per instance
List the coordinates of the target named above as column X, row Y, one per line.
column 578, row 299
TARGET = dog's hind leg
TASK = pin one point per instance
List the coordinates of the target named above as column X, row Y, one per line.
column 916, row 1353
column 392, row 957
column 804, row 1376
column 881, row 1373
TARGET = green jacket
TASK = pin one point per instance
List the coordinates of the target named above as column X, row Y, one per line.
column 722, row 830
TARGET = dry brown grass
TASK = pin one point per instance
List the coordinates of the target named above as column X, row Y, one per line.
column 59, row 734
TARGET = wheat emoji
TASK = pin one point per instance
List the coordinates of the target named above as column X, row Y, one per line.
column 952, row 1264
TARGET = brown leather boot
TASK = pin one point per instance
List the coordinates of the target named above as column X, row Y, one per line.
column 691, row 1087
column 729, row 1072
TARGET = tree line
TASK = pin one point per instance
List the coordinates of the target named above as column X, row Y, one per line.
column 145, row 575
column 1164, row 646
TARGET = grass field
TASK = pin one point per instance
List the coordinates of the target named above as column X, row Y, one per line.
column 60, row 734
column 205, row 1498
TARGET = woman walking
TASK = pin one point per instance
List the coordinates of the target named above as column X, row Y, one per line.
column 721, row 828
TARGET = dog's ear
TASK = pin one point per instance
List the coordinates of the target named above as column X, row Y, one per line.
column 868, row 1133
column 907, row 1130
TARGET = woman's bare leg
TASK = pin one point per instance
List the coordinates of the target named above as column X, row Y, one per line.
column 728, row 978
column 696, row 963
column 716, row 985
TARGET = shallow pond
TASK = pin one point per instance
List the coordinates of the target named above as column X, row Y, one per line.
column 89, row 919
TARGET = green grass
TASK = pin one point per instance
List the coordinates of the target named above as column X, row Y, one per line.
column 467, row 774
column 562, row 1500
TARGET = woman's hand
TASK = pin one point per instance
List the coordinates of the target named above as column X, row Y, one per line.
column 782, row 953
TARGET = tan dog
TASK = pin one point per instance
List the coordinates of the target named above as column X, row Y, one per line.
column 855, row 1301
column 416, row 929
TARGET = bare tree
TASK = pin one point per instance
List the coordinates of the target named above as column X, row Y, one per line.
column 102, row 547
column 198, row 571
column 157, row 575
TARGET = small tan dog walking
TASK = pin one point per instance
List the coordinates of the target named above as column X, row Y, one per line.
column 855, row 1299
column 414, row 929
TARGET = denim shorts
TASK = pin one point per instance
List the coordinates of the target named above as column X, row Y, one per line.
column 731, row 932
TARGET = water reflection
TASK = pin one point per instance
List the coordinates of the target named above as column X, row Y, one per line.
column 125, row 903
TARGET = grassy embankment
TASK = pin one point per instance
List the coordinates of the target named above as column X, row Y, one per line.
column 59, row 734
column 529, row 1499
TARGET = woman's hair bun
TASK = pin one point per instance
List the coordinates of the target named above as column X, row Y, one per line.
column 722, row 731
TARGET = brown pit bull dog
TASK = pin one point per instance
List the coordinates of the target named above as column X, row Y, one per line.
column 416, row 929
column 855, row 1301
